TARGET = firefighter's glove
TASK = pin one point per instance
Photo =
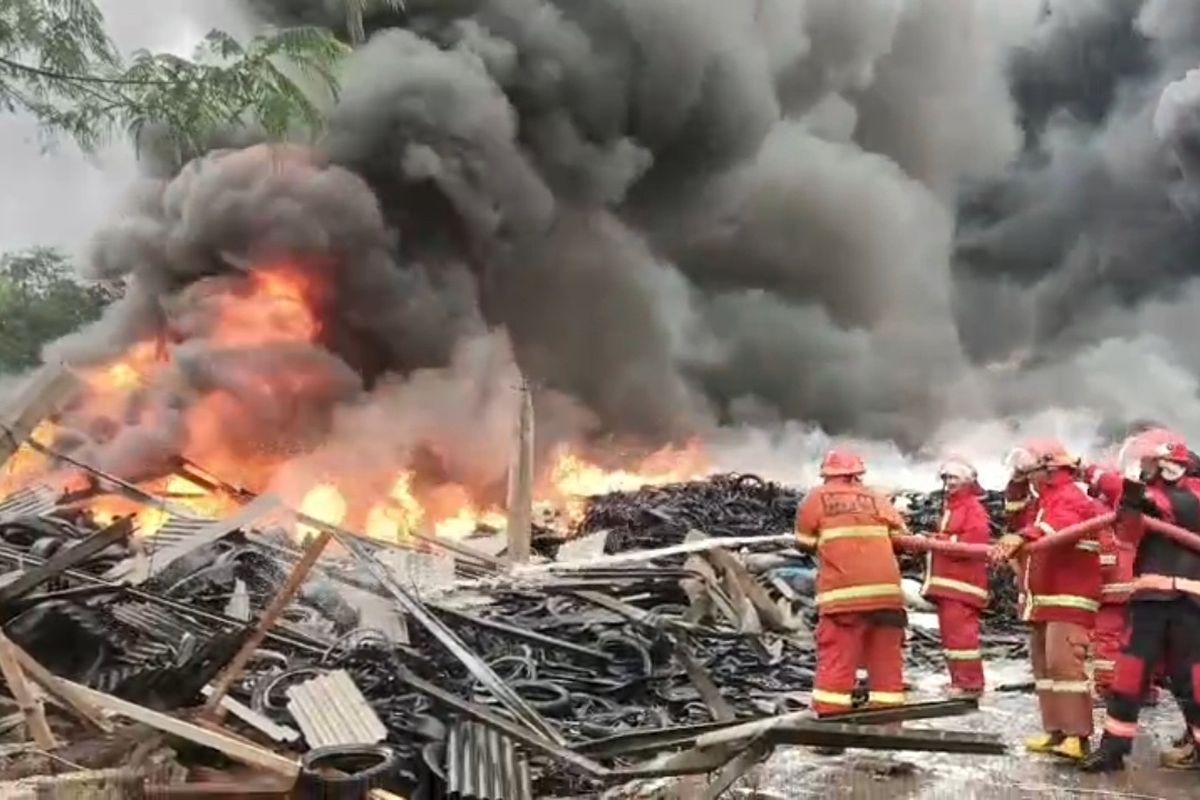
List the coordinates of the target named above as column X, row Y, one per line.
column 1006, row 548
column 1134, row 500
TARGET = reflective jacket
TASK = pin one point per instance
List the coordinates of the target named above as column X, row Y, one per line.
column 1019, row 510
column 952, row 578
column 1116, row 556
column 1063, row 583
column 851, row 528
column 1164, row 570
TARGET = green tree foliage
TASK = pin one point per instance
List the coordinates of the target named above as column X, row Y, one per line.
column 40, row 300
column 57, row 62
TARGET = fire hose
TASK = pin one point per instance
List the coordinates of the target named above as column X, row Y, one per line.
column 1066, row 536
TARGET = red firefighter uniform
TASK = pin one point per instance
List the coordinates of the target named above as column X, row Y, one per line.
column 1062, row 585
column 1116, row 573
column 1164, row 608
column 1112, row 621
column 859, row 597
column 958, row 587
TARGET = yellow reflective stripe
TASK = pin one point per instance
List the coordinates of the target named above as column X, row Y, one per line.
column 1042, row 685
column 1063, row 601
column 1045, row 528
column 1116, row 588
column 831, row 698
column 1106, row 666
column 1108, row 560
column 860, row 592
column 1070, row 687
column 886, row 698
column 806, row 539
column 1088, row 547
column 1013, row 506
column 960, row 586
column 1188, row 585
column 963, row 655
column 854, row 532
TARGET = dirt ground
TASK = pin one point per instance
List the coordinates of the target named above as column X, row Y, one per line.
column 861, row 775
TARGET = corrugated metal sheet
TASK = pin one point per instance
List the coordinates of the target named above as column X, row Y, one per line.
column 31, row 501
column 331, row 710
column 481, row 764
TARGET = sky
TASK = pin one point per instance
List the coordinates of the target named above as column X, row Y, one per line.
column 55, row 194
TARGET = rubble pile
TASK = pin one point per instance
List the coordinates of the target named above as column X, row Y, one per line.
column 592, row 672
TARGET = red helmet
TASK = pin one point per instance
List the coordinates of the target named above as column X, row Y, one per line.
column 840, row 464
column 1174, row 451
column 1041, row 454
column 1156, row 443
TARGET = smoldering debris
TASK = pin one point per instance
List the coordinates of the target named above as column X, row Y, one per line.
column 612, row 664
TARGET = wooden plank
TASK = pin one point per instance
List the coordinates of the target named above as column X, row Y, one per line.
column 236, row 749
column 58, row 689
column 519, row 527
column 31, row 707
column 283, row 597
column 66, row 559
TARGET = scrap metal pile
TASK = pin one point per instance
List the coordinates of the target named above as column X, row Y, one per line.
column 430, row 668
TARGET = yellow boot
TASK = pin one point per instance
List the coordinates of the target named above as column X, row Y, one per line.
column 1072, row 747
column 1044, row 742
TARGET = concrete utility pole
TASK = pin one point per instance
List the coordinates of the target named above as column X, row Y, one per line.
column 520, row 482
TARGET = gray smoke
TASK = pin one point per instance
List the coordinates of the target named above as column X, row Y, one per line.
column 681, row 216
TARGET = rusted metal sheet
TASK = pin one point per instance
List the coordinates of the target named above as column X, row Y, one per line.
column 483, row 764
column 331, row 710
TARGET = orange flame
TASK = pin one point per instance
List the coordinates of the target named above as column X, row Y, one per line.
column 275, row 305
column 323, row 502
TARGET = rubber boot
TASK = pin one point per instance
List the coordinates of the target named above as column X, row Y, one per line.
column 1074, row 748
column 1108, row 757
column 1184, row 755
column 1044, row 742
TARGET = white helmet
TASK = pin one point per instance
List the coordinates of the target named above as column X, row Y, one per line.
column 957, row 468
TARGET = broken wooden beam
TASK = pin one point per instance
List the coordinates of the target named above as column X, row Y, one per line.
column 57, row 688
column 233, row 671
column 67, row 558
column 29, row 703
column 235, row 748
column 519, row 527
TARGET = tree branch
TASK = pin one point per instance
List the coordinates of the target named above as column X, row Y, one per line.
column 62, row 76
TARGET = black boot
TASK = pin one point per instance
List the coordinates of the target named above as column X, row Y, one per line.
column 1108, row 757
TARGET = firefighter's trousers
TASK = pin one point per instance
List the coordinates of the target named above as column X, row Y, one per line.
column 844, row 641
column 959, row 625
column 1158, row 630
column 1059, row 653
column 1108, row 638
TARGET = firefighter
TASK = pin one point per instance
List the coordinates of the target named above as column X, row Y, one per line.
column 1062, row 587
column 1019, row 510
column 859, row 598
column 958, row 587
column 1116, row 572
column 1164, row 611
